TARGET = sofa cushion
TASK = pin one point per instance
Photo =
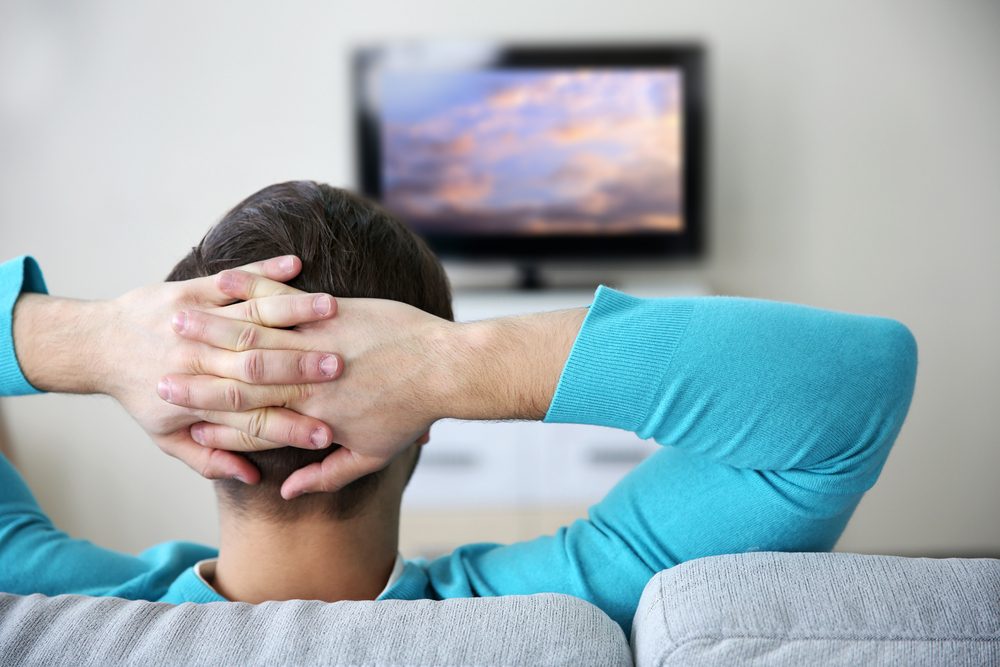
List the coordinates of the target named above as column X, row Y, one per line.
column 796, row 609
column 515, row 630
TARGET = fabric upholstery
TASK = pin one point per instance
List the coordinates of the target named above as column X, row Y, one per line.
column 515, row 630
column 822, row 608
column 749, row 609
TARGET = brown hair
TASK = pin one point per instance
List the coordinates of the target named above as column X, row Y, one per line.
column 349, row 247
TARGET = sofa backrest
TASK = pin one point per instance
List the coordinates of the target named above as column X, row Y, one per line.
column 515, row 630
column 821, row 609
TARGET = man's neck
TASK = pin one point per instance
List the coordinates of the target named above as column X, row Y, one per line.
column 313, row 558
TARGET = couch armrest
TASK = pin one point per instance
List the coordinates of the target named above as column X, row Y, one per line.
column 820, row 608
column 514, row 630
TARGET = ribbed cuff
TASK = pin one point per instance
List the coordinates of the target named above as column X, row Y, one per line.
column 17, row 275
column 619, row 360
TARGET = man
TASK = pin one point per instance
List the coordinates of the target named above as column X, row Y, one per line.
column 775, row 418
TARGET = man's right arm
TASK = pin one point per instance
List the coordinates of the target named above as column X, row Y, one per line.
column 775, row 418
column 747, row 383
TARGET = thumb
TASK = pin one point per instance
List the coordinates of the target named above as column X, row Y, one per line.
column 331, row 474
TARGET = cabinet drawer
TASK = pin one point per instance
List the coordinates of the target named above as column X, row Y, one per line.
column 582, row 463
column 472, row 464
column 521, row 464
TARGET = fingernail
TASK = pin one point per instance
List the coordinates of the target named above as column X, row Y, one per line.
column 198, row 434
column 322, row 305
column 240, row 478
column 163, row 388
column 318, row 438
column 180, row 321
column 286, row 264
column 328, row 365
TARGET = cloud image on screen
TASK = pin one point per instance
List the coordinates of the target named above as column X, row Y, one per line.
column 533, row 151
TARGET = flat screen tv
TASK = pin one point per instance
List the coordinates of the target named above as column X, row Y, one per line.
column 536, row 153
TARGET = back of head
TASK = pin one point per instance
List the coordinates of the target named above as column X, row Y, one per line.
column 349, row 247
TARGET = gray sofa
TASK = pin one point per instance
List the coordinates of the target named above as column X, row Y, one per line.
column 748, row 609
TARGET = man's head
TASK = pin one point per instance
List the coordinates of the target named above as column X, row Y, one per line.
column 349, row 247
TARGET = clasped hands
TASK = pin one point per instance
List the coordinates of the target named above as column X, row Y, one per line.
column 240, row 361
column 264, row 366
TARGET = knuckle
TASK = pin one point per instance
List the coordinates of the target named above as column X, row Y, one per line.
column 253, row 366
column 325, row 484
column 183, row 394
column 195, row 364
column 247, row 338
column 233, row 398
column 290, row 432
column 205, row 469
column 297, row 394
column 327, row 481
column 208, row 468
column 198, row 325
column 248, row 442
column 230, row 282
column 253, row 311
column 248, row 284
column 302, row 365
column 257, row 423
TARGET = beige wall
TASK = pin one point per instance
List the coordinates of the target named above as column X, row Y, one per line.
column 855, row 164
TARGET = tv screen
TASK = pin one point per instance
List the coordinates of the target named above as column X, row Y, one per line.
column 534, row 152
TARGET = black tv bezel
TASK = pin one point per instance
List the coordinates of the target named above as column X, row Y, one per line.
column 687, row 244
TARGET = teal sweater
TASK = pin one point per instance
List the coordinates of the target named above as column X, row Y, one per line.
column 774, row 420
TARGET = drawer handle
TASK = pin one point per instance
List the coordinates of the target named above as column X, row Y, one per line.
column 448, row 460
column 618, row 456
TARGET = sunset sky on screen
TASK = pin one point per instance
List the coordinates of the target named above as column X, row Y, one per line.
column 533, row 151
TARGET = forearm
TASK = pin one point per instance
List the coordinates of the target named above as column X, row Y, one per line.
column 505, row 368
column 59, row 343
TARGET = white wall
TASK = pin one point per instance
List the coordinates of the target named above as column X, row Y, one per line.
column 855, row 164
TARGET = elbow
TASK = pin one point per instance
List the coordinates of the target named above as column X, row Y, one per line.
column 900, row 350
column 892, row 375
column 884, row 368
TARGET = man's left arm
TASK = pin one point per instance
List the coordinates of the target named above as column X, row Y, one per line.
column 38, row 558
column 121, row 348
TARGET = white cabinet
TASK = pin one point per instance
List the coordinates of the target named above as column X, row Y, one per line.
column 580, row 464
column 473, row 465
column 521, row 464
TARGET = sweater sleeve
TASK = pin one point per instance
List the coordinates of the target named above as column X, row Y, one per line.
column 748, row 383
column 774, row 419
column 37, row 557
column 16, row 276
